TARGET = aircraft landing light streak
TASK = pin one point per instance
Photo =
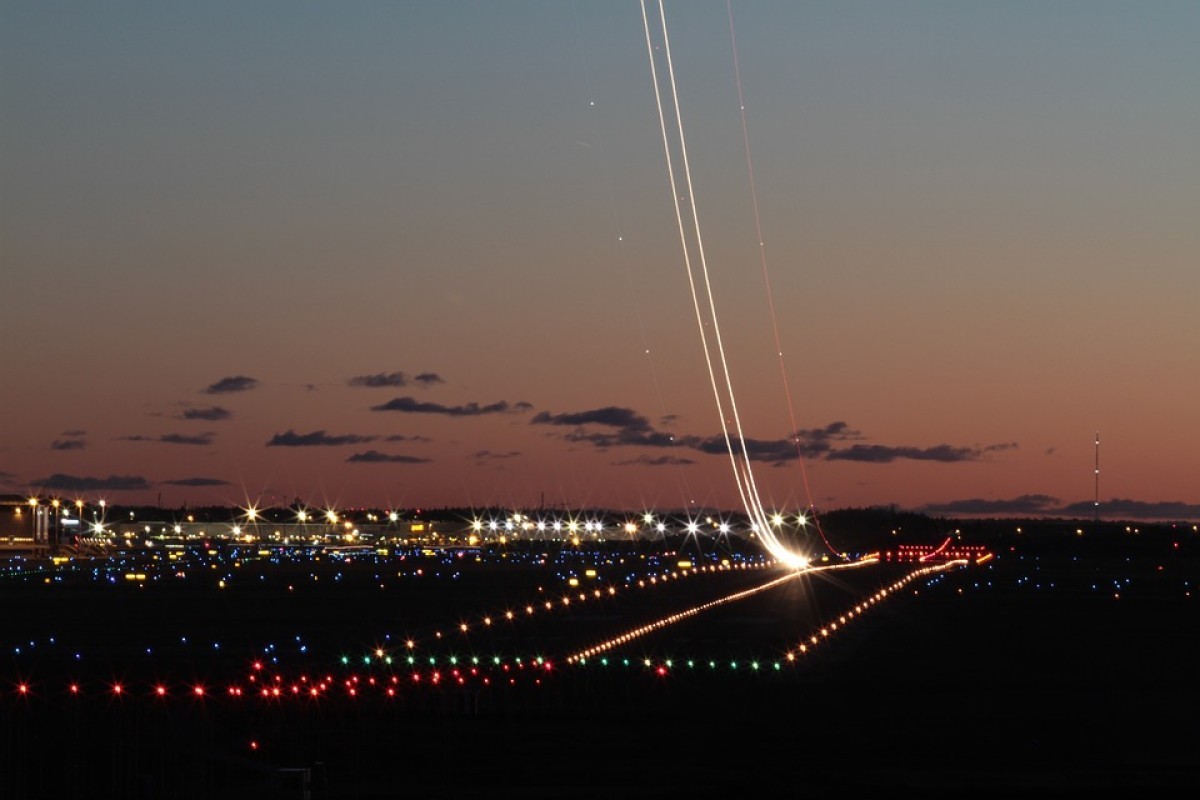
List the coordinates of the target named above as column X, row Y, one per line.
column 691, row 612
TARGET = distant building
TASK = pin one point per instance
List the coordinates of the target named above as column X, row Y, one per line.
column 24, row 525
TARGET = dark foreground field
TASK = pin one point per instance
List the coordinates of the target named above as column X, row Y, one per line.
column 1042, row 674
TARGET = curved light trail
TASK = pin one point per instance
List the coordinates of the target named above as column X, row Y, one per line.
column 697, row 272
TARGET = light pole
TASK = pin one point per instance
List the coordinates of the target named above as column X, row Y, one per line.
column 57, row 524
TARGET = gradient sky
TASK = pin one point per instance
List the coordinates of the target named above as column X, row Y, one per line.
column 424, row 253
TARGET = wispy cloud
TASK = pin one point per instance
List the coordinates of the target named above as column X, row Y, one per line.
column 209, row 414
column 884, row 454
column 816, row 442
column 1119, row 508
column 235, row 383
column 410, row 405
column 68, row 444
column 1024, row 504
column 400, row 437
column 428, row 379
column 379, row 380
column 75, row 483
column 655, row 461
column 197, row 482
column 773, row 451
column 624, row 427
column 489, row 455
column 376, row 457
column 1043, row 505
column 316, row 439
column 609, row 416
column 173, row 438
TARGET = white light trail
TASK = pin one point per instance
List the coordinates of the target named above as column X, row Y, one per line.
column 722, row 388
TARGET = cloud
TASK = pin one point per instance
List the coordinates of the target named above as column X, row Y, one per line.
column 655, row 461
column 68, row 444
column 488, row 455
column 7, row 477
column 376, row 457
column 410, row 405
column 634, row 430
column 883, row 454
column 379, row 380
column 400, row 437
column 1043, row 505
column 627, row 438
column 172, row 438
column 1118, row 508
column 236, row 383
column 393, row 379
column 609, row 416
column 631, row 429
column 73, row 483
column 210, row 414
column 775, row 451
column 197, row 482
column 815, row 442
column 316, row 438
column 1024, row 504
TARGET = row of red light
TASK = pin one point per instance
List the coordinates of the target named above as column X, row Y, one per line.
column 351, row 685
column 303, row 688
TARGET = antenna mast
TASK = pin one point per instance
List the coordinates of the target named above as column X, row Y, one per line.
column 1096, row 502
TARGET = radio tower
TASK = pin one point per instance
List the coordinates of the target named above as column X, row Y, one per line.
column 1096, row 502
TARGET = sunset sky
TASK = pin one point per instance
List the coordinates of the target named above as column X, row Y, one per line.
column 424, row 254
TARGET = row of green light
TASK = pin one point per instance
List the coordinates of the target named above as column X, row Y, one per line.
column 278, row 688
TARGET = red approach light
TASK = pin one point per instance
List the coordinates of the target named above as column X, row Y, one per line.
column 74, row 688
column 253, row 745
column 161, row 691
column 23, row 688
column 198, row 691
column 662, row 671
